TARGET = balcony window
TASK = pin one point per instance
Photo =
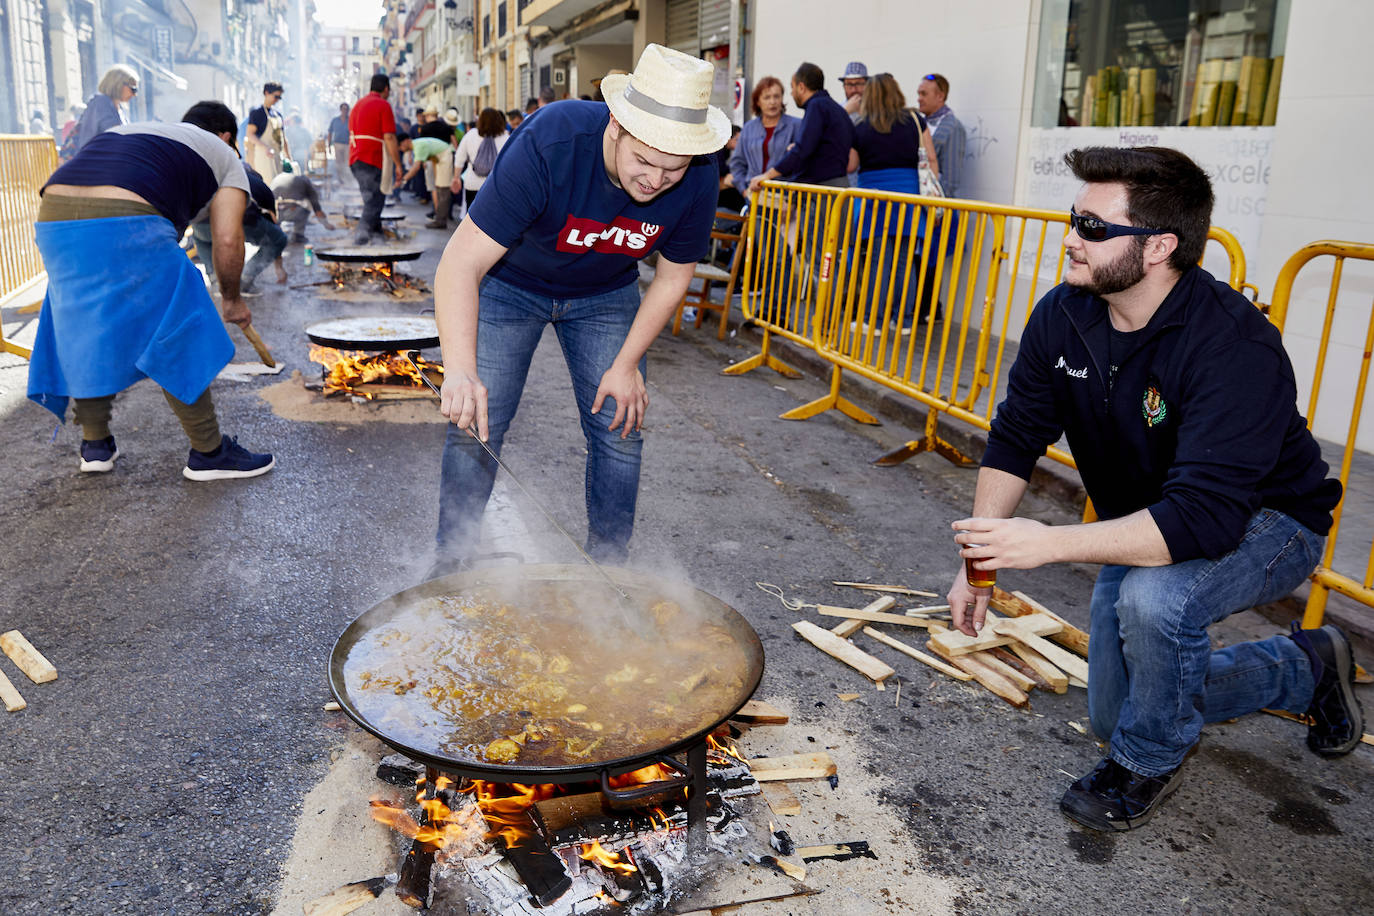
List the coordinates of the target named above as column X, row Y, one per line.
column 500, row 19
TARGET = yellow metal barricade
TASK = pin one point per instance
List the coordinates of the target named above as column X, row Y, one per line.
column 1324, row 578
column 784, row 239
column 888, row 259
column 25, row 164
column 918, row 301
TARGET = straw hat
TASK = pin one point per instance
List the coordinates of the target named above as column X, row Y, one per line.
column 431, row 112
column 665, row 103
column 451, row 117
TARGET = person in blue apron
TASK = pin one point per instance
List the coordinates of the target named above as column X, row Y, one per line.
column 140, row 309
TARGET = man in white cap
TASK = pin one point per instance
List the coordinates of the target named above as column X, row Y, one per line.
column 579, row 195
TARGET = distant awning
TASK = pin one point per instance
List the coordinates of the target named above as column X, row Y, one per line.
column 158, row 70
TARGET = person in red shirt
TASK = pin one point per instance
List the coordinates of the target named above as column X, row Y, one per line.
column 373, row 156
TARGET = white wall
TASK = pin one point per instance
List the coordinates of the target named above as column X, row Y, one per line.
column 978, row 45
column 1323, row 188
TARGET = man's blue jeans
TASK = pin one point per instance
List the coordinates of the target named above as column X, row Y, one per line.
column 591, row 331
column 271, row 242
column 1154, row 679
column 264, row 233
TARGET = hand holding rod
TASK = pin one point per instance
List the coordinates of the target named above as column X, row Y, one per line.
column 523, row 489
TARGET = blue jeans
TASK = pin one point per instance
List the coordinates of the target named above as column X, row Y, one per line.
column 1154, row 679
column 591, row 331
column 271, row 242
column 370, row 187
column 267, row 235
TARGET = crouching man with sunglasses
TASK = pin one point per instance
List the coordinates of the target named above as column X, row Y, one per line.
column 1179, row 404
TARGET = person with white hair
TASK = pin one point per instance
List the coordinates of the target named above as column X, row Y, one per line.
column 580, row 194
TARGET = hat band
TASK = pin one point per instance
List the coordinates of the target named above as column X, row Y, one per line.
column 671, row 112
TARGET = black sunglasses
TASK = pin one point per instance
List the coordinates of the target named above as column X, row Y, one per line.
column 1092, row 229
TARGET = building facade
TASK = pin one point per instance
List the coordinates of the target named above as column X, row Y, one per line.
column 57, row 51
column 1031, row 79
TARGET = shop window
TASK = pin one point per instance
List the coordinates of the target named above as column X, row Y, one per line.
column 1158, row 63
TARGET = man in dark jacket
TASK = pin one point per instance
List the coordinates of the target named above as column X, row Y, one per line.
column 821, row 153
column 1179, row 404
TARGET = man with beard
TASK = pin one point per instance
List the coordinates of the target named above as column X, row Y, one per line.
column 1178, row 402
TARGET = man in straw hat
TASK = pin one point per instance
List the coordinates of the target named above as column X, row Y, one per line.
column 578, row 196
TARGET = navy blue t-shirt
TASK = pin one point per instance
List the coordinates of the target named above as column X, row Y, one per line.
column 571, row 232
column 175, row 167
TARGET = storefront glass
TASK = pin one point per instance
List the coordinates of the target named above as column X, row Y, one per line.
column 1159, row 63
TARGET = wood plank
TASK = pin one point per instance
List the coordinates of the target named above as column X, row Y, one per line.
column 1007, row 671
column 839, row 852
column 793, row 766
column 346, row 899
column 1005, row 655
column 957, row 643
column 891, row 589
column 1061, row 658
column 564, row 811
column 29, row 659
column 843, row 650
column 920, row 656
column 781, row 798
column 1057, row 680
column 872, row 616
column 1077, row 682
column 985, row 676
column 851, row 625
column 758, row 712
column 13, row 701
column 1071, row 637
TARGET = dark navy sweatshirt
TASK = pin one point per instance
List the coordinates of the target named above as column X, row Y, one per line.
column 1199, row 425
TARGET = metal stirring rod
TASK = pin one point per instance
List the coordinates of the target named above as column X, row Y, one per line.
column 523, row 489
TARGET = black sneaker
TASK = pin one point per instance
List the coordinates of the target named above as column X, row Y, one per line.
column 229, row 460
column 1337, row 719
column 98, row 455
column 1113, row 798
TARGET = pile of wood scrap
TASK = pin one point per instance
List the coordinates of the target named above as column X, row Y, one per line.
column 30, row 661
column 1023, row 645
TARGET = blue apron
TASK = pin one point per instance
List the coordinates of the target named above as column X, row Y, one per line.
column 124, row 303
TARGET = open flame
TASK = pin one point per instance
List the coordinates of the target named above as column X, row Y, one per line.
column 438, row 829
column 506, row 810
column 602, row 857
column 506, row 807
column 725, row 747
column 347, row 369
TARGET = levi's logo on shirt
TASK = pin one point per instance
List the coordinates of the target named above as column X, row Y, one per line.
column 622, row 236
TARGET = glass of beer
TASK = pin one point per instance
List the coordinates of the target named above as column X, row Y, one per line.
column 978, row 578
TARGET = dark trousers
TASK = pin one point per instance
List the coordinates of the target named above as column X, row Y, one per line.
column 370, row 186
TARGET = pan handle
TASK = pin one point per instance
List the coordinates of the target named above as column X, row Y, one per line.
column 653, row 788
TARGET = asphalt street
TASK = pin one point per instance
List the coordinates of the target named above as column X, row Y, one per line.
column 165, row 770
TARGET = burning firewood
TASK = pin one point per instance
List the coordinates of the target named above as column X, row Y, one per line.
column 352, row 372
